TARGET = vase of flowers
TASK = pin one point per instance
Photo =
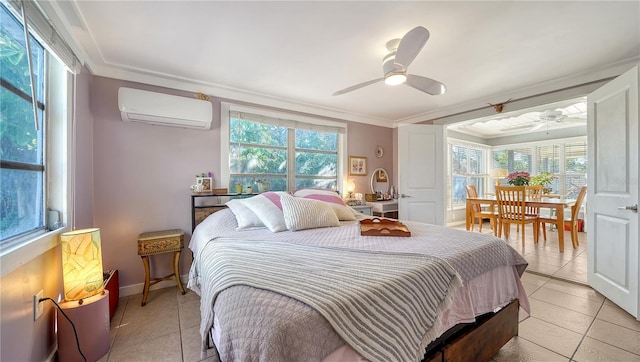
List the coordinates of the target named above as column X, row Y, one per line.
column 520, row 178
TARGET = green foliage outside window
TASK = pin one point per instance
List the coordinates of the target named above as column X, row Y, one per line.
column 21, row 198
column 260, row 151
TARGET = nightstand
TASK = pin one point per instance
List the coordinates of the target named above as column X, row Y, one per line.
column 363, row 209
column 158, row 242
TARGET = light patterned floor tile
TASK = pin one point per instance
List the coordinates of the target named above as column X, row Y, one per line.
column 189, row 314
column 166, row 347
column 616, row 315
column 593, row 350
column 562, row 317
column 568, row 301
column 519, row 349
column 615, row 335
column 557, row 339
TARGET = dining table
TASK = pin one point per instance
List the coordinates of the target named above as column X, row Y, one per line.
column 556, row 204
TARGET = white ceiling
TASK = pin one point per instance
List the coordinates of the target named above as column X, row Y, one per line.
column 294, row 55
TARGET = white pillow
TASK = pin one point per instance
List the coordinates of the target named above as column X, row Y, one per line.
column 301, row 213
column 342, row 211
column 268, row 208
column 246, row 218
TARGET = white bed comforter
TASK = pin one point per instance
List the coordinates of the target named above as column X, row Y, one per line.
column 488, row 268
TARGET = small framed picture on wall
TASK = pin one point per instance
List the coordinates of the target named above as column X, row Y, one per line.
column 357, row 166
column 206, row 182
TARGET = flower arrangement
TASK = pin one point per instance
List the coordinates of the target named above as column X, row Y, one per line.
column 544, row 179
column 520, row 178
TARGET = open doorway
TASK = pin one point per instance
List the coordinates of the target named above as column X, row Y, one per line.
column 551, row 139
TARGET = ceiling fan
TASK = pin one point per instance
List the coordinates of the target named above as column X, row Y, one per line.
column 548, row 116
column 394, row 66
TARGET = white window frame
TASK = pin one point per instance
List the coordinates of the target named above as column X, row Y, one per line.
column 226, row 108
column 58, row 168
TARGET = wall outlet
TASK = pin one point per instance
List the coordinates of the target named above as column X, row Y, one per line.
column 38, row 307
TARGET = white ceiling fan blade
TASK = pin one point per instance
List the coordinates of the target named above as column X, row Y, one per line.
column 425, row 84
column 410, row 45
column 357, row 86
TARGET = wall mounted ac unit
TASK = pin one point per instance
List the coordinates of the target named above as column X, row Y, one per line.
column 163, row 109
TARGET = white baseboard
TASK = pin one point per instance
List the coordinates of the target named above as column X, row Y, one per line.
column 134, row 289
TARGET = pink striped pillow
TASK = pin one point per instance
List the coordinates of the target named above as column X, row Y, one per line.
column 343, row 212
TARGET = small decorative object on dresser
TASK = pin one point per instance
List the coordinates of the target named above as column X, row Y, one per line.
column 206, row 183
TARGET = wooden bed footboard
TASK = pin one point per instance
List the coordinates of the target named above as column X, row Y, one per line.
column 477, row 341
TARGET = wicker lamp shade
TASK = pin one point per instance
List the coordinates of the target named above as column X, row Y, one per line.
column 82, row 263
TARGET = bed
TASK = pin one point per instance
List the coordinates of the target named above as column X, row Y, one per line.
column 289, row 278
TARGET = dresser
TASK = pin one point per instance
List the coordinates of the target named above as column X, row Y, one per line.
column 204, row 204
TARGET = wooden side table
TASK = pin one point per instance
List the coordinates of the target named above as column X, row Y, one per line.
column 158, row 242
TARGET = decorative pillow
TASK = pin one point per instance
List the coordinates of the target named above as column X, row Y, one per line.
column 246, row 218
column 301, row 213
column 268, row 208
column 342, row 211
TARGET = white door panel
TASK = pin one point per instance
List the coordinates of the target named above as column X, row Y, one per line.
column 421, row 160
column 612, row 231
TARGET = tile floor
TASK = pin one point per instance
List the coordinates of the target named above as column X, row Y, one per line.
column 545, row 257
column 569, row 321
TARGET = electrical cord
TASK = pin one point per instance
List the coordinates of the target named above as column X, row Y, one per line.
column 75, row 332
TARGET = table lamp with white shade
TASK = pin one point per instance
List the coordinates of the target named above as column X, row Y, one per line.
column 498, row 173
column 86, row 301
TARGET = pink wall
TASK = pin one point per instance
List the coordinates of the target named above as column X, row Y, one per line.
column 362, row 141
column 22, row 338
column 142, row 175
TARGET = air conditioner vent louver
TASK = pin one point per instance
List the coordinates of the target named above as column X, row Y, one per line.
column 163, row 109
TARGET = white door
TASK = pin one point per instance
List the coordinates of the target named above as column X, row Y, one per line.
column 421, row 173
column 612, row 191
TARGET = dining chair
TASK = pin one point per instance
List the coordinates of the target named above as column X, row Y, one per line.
column 477, row 212
column 512, row 209
column 570, row 219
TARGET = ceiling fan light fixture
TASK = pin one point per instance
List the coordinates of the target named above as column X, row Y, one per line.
column 395, row 78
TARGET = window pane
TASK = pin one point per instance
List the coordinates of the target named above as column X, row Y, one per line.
column 576, row 157
column 459, row 190
column 21, row 202
column 275, row 183
column 13, row 56
column 458, row 160
column 22, row 195
column 549, row 159
column 313, row 163
column 329, row 184
column 19, row 140
column 312, row 140
column 475, row 159
column 257, row 133
column 257, row 160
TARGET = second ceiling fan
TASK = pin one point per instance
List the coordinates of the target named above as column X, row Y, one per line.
column 394, row 67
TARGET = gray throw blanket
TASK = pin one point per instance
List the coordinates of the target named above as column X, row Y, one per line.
column 347, row 286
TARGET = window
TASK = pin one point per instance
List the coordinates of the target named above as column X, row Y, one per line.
column 21, row 145
column 517, row 159
column 33, row 163
column 467, row 167
column 566, row 159
column 287, row 153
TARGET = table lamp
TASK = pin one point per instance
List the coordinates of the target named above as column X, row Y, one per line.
column 86, row 301
column 351, row 187
column 498, row 173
